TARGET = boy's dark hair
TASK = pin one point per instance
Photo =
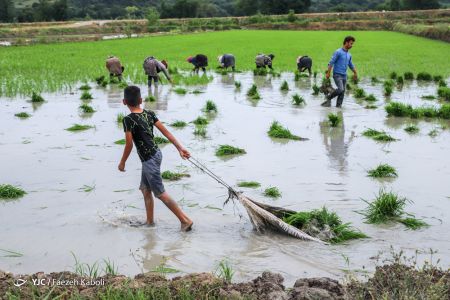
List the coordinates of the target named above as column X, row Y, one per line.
column 132, row 94
column 348, row 39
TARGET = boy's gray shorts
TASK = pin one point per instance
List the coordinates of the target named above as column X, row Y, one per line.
column 151, row 174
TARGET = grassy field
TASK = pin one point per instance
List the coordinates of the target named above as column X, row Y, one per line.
column 56, row 66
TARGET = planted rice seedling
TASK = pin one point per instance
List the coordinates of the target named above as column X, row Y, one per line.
column 398, row 109
column 408, row 76
column 122, row 84
column 180, row 91
column 355, row 80
column 442, row 83
column 178, row 124
column 237, row 84
column 297, row 99
column 400, row 81
column 298, row 75
column 159, row 140
column 196, row 92
column 428, row 97
column 100, row 79
column 388, row 90
column 86, row 96
column 224, row 150
column 260, row 72
column 444, row 93
column 424, row 76
column 150, row 98
column 210, row 106
column 359, row 93
column 36, row 98
column 8, row 191
column 371, row 106
column 315, row 74
column 23, row 115
column 225, row 271
column 200, row 121
column 249, row 184
column 433, row 133
column 374, row 80
column 79, row 127
column 388, row 206
column 380, row 136
column 334, row 120
column 284, row 86
column 348, row 87
column 120, row 117
column 437, row 78
column 280, row 132
column 371, row 98
column 200, row 131
column 173, row 176
column 393, row 75
column 272, row 192
column 253, row 93
column 85, row 87
column 324, row 224
column 412, row 128
column 87, row 109
column 316, row 89
column 113, row 80
column 120, row 142
column 382, row 171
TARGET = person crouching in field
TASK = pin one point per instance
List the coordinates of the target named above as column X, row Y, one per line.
column 227, row 61
column 152, row 68
column 340, row 61
column 304, row 63
column 138, row 127
column 200, row 61
column 114, row 67
column 263, row 60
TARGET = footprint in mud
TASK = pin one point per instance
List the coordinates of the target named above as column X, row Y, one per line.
column 126, row 221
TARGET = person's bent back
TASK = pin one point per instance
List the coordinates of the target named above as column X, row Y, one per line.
column 114, row 67
column 304, row 63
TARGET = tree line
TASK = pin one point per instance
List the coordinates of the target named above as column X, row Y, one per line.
column 62, row 10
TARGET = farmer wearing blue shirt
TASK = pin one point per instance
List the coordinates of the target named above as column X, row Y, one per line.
column 339, row 62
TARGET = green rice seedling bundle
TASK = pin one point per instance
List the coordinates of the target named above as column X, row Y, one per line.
column 298, row 75
column 200, row 131
column 225, row 150
column 359, row 93
column 100, row 80
column 348, row 87
column 173, row 70
column 388, row 86
column 178, row 124
column 150, row 98
column 444, row 111
column 408, row 76
column 371, row 106
column 173, row 176
column 8, row 191
column 249, row 184
column 405, row 110
column 36, row 98
column 389, row 207
column 433, row 133
column 120, row 142
column 274, row 73
column 210, row 106
column 444, row 93
column 374, row 80
column 260, row 72
column 180, row 91
column 298, row 100
column 355, row 80
column 400, row 81
column 85, row 87
column 437, row 78
column 398, row 109
column 323, row 224
column 316, row 89
column 424, row 76
column 23, row 115
column 113, row 80
column 253, row 93
column 86, row 96
column 196, row 92
column 428, row 97
column 379, row 136
column 442, row 83
column 315, row 74
column 280, row 132
column 120, row 117
column 371, row 98
column 122, row 84
column 79, row 127
column 382, row 171
column 200, row 121
column 393, row 75
column 412, row 129
column 237, row 84
column 159, row 140
column 334, row 120
column 284, row 86
column 272, row 192
column 87, row 109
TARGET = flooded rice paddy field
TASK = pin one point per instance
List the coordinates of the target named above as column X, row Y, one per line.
column 75, row 190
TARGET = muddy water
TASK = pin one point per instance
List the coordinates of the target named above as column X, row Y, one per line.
column 58, row 217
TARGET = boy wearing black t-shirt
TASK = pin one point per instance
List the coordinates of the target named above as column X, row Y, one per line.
column 138, row 127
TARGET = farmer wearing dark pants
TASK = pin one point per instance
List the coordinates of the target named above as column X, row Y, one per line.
column 200, row 61
column 339, row 62
column 114, row 67
column 152, row 67
column 227, row 61
column 304, row 63
column 262, row 60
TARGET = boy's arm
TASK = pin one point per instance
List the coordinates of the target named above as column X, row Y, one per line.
column 331, row 64
column 183, row 152
column 126, row 150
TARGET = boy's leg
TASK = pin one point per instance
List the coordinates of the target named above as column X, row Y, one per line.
column 149, row 205
column 173, row 206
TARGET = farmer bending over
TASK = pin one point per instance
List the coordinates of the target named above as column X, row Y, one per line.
column 304, row 63
column 152, row 67
column 263, row 60
column 339, row 62
column 227, row 61
column 114, row 67
column 138, row 127
column 199, row 61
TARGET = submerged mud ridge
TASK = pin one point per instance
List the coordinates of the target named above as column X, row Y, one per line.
column 394, row 281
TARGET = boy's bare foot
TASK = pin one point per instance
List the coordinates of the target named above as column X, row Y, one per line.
column 149, row 224
column 187, row 226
